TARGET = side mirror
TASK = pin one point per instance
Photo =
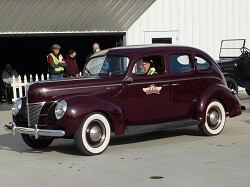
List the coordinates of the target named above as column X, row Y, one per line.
column 129, row 80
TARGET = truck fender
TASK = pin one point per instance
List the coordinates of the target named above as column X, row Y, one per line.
column 78, row 107
column 217, row 92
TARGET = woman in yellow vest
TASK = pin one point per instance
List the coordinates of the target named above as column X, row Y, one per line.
column 56, row 63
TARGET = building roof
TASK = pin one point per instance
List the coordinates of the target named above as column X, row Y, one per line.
column 69, row 16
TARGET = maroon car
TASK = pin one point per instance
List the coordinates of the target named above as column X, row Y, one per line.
column 115, row 94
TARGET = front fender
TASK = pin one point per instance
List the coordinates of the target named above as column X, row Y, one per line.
column 78, row 107
column 217, row 92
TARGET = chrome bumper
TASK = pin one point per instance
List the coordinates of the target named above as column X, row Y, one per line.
column 33, row 131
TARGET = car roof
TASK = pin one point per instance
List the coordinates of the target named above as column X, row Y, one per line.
column 136, row 49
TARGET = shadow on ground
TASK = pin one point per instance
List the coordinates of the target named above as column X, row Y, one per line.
column 5, row 106
column 67, row 146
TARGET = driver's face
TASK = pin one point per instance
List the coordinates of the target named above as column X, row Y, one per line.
column 145, row 66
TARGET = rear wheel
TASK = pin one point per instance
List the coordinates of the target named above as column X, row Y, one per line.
column 215, row 119
column 93, row 136
column 248, row 91
column 36, row 143
column 232, row 84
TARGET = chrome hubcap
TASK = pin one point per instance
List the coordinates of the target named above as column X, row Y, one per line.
column 95, row 133
column 214, row 117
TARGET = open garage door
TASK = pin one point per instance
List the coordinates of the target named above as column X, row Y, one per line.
column 28, row 53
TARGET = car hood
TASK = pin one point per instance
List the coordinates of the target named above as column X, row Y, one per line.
column 42, row 91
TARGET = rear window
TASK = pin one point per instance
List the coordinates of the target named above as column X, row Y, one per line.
column 202, row 64
column 180, row 63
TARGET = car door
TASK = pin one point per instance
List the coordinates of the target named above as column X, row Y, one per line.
column 184, row 87
column 148, row 95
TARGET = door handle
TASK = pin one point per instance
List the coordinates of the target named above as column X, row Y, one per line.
column 110, row 88
column 165, row 85
column 175, row 84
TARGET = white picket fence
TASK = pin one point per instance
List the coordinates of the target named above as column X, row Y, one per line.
column 19, row 85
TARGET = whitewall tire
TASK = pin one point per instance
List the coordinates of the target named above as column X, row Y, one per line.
column 93, row 135
column 215, row 119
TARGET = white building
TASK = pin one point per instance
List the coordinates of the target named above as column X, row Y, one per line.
column 199, row 23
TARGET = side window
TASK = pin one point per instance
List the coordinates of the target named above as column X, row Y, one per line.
column 202, row 64
column 180, row 63
column 150, row 65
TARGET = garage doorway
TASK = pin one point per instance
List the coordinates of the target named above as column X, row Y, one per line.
column 28, row 53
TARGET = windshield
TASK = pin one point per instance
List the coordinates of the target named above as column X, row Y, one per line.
column 106, row 65
column 231, row 48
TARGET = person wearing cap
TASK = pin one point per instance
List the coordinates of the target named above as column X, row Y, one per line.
column 147, row 67
column 56, row 63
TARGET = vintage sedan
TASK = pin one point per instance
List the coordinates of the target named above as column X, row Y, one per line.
column 117, row 94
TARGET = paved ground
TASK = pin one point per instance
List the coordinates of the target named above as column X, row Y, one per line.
column 171, row 158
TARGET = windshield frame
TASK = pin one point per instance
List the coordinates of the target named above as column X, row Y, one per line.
column 232, row 43
column 86, row 71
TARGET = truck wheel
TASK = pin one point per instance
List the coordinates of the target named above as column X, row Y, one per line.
column 248, row 91
column 36, row 143
column 93, row 136
column 232, row 84
column 215, row 119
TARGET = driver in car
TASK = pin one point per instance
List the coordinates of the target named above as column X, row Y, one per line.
column 147, row 67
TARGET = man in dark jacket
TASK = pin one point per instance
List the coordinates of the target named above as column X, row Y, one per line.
column 71, row 69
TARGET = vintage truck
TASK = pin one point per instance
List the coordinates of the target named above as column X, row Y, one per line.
column 235, row 63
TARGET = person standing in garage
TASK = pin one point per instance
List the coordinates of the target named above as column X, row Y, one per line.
column 71, row 69
column 96, row 48
column 56, row 63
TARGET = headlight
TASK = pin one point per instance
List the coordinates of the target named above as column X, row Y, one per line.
column 60, row 109
column 17, row 106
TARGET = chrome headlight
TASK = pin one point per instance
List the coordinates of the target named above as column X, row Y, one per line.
column 17, row 106
column 60, row 109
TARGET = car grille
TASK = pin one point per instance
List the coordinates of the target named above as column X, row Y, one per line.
column 33, row 111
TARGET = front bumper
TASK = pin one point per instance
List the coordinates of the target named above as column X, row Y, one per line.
column 33, row 131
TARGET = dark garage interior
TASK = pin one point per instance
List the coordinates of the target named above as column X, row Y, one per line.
column 28, row 54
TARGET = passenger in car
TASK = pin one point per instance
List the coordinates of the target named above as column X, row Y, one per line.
column 105, row 66
column 147, row 67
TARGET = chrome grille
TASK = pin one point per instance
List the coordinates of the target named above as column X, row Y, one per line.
column 33, row 111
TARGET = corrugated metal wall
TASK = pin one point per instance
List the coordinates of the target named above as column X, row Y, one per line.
column 69, row 16
column 199, row 23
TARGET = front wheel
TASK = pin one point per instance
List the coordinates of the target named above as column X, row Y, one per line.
column 232, row 84
column 93, row 136
column 248, row 91
column 36, row 143
column 215, row 119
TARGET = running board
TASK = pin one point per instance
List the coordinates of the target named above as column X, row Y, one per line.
column 136, row 129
